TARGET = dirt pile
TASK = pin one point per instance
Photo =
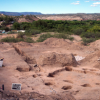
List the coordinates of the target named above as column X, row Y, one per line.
column 57, row 42
column 57, row 59
column 92, row 59
column 63, row 43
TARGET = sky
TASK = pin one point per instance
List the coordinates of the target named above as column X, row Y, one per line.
column 51, row 6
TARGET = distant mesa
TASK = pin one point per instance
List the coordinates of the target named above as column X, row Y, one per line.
column 19, row 13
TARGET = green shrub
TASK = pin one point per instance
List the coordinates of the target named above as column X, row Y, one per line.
column 85, row 41
column 12, row 32
column 78, row 31
column 44, row 37
column 58, row 35
column 63, row 35
column 20, row 35
column 90, row 35
column 32, row 32
column 11, row 39
column 29, row 40
column 95, row 28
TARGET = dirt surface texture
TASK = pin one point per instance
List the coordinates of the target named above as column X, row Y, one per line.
column 56, row 69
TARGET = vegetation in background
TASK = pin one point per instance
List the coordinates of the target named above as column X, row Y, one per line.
column 57, row 35
column 11, row 39
column 85, row 41
column 20, row 37
column 89, row 30
column 32, row 32
column 44, row 37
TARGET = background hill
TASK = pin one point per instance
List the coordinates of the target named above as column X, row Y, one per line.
column 19, row 13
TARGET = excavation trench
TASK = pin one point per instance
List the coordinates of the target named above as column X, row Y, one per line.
column 29, row 60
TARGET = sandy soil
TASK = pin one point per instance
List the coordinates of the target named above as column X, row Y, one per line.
column 49, row 70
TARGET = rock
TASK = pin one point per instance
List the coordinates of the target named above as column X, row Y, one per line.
column 66, row 87
column 34, row 76
column 68, row 68
column 86, row 85
column 23, row 68
column 69, row 81
column 48, row 83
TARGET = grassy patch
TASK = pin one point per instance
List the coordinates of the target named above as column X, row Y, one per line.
column 32, row 32
column 58, row 35
column 44, row 37
column 85, row 41
column 11, row 39
column 20, row 37
column 29, row 40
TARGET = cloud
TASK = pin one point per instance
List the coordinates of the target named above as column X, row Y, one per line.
column 93, row 5
column 87, row 1
column 76, row 3
column 96, row 3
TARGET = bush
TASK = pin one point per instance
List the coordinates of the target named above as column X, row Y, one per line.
column 91, row 35
column 12, row 32
column 29, row 40
column 78, row 31
column 20, row 35
column 58, row 35
column 62, row 35
column 11, row 39
column 44, row 37
column 85, row 41
column 32, row 32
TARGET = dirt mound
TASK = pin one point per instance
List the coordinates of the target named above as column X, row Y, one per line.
column 57, row 59
column 92, row 60
column 57, row 42
column 95, row 44
column 63, row 43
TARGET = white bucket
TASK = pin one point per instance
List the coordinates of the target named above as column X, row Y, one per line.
column 1, row 62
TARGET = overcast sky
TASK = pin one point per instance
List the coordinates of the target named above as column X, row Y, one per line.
column 51, row 6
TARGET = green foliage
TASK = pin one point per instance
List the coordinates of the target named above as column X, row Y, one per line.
column 11, row 39
column 95, row 28
column 12, row 32
column 29, row 40
column 78, row 31
column 58, row 35
column 32, row 32
column 4, row 28
column 85, row 41
column 16, row 25
column 62, row 35
column 91, row 35
column 20, row 35
column 44, row 37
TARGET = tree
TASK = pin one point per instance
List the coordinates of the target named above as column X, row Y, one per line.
column 16, row 26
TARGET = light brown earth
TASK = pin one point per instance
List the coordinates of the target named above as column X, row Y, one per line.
column 78, row 17
column 49, row 70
